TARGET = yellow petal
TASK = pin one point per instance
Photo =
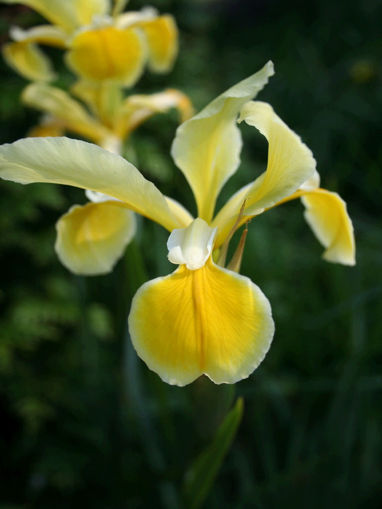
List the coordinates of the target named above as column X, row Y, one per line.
column 117, row 54
column 290, row 164
column 80, row 164
column 207, row 147
column 209, row 321
column 42, row 34
column 91, row 238
column 138, row 108
column 162, row 39
column 28, row 60
column 326, row 213
column 68, row 14
column 72, row 114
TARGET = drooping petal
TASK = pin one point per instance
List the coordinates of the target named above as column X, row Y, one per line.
column 92, row 238
column 327, row 215
column 71, row 113
column 138, row 108
column 290, row 164
column 116, row 54
column 207, row 147
column 209, row 321
column 81, row 164
column 28, row 60
column 162, row 39
column 68, row 14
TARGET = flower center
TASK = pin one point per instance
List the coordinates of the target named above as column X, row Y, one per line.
column 191, row 246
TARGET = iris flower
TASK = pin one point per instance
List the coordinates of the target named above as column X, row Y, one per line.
column 120, row 44
column 203, row 318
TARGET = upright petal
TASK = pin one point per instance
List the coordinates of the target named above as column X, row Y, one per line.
column 81, row 164
column 117, row 54
column 290, row 164
column 28, row 60
column 327, row 215
column 208, row 321
column 68, row 14
column 92, row 238
column 207, row 147
column 71, row 113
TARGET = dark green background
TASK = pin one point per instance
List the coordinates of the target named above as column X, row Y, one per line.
column 83, row 423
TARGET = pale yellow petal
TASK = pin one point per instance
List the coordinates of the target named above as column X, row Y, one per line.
column 207, row 147
column 71, row 113
column 209, row 321
column 28, row 60
column 81, row 164
column 290, row 164
column 327, row 215
column 116, row 55
column 136, row 109
column 162, row 39
column 92, row 238
column 68, row 14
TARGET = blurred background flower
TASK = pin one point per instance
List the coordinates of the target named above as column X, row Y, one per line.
column 82, row 424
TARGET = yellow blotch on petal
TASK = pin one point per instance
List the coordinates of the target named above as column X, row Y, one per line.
column 208, row 321
column 108, row 53
column 91, row 238
column 28, row 60
column 162, row 40
column 327, row 215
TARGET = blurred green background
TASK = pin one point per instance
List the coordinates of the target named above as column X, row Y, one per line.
column 83, row 422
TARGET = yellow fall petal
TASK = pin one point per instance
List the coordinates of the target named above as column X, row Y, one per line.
column 87, row 166
column 72, row 114
column 28, row 60
column 162, row 39
column 92, row 238
column 326, row 214
column 207, row 147
column 208, row 321
column 116, row 54
column 290, row 164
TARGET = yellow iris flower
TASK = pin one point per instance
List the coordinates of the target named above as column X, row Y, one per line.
column 120, row 44
column 203, row 318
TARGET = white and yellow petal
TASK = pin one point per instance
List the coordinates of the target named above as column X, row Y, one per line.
column 327, row 215
column 117, row 54
column 290, row 164
column 27, row 59
column 207, row 147
column 87, row 166
column 208, row 321
column 92, row 238
column 60, row 105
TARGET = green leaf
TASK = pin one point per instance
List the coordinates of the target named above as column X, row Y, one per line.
column 202, row 473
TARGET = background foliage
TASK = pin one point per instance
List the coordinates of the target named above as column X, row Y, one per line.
column 83, row 422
